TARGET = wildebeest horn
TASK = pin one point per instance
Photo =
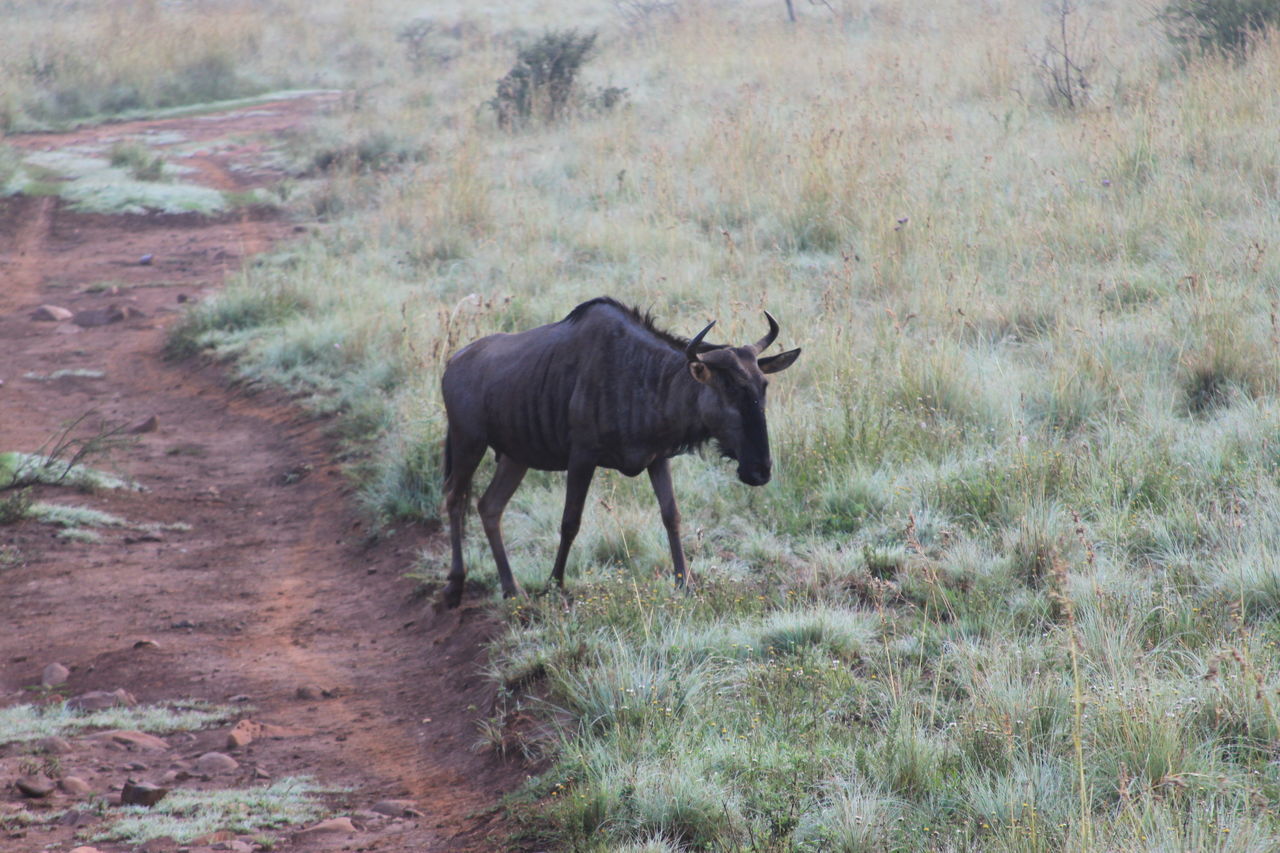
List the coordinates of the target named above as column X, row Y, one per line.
column 691, row 351
column 763, row 344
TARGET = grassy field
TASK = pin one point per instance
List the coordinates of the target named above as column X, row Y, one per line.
column 1016, row 582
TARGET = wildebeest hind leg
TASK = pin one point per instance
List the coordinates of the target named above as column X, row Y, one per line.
column 505, row 481
column 462, row 455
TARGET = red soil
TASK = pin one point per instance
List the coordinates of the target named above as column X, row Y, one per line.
column 276, row 588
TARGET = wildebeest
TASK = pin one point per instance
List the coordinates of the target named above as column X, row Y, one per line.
column 601, row 388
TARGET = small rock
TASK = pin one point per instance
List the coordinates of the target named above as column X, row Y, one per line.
column 120, row 313
column 148, row 424
column 54, row 674
column 216, row 762
column 85, row 850
column 243, row 733
column 53, row 745
column 182, row 297
column 135, row 740
column 175, row 775
column 397, row 808
column 51, row 313
column 98, row 700
column 92, row 317
column 309, row 692
column 74, row 786
column 95, row 700
column 240, row 697
column 145, row 260
column 146, row 643
column 35, row 787
column 75, row 817
column 135, row 765
column 259, row 773
column 141, row 794
column 182, row 623
column 333, row 824
column 238, row 846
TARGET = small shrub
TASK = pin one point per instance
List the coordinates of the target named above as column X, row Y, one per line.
column 373, row 151
column 884, row 563
column 606, row 98
column 1225, row 369
column 1068, row 60
column 15, row 507
column 138, row 160
column 1218, row 25
column 212, row 77
column 852, row 816
column 687, row 806
column 10, row 159
column 413, row 36
column 847, row 502
column 541, row 83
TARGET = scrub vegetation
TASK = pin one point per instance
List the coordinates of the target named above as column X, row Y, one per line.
column 1016, row 582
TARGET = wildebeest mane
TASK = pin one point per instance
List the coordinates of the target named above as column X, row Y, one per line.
column 644, row 318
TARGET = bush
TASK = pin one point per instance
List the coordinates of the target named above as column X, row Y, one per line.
column 138, row 160
column 1218, row 25
column 541, row 83
column 15, row 507
column 370, row 151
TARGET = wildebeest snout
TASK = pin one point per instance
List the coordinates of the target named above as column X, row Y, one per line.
column 756, row 475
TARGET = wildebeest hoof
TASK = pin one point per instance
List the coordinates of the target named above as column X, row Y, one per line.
column 452, row 596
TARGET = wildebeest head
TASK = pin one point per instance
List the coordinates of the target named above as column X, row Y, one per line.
column 732, row 402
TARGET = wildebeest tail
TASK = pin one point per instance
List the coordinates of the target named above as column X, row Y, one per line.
column 448, row 458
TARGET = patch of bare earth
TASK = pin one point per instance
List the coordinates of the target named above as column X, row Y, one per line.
column 274, row 600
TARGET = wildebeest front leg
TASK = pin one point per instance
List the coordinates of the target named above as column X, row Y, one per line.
column 577, row 483
column 660, row 477
column 505, row 481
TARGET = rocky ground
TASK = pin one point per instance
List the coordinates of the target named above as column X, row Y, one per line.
column 243, row 577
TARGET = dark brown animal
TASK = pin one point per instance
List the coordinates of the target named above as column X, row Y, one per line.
column 601, row 388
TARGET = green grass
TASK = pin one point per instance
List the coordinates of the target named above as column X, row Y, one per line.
column 24, row 723
column 1013, row 586
column 77, row 372
column 115, row 184
column 17, row 467
column 185, row 815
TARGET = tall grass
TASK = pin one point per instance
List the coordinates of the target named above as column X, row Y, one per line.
column 1014, row 583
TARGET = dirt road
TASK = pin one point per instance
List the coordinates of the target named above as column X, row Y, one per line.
column 264, row 590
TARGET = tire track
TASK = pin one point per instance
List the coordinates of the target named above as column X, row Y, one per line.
column 24, row 264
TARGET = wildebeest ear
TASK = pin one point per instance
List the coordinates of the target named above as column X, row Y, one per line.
column 700, row 371
column 781, row 361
